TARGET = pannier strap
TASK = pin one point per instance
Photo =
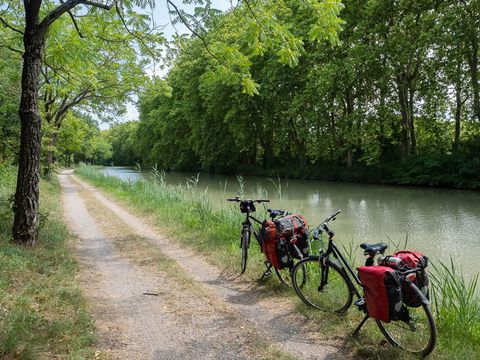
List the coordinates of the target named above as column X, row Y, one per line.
column 373, row 249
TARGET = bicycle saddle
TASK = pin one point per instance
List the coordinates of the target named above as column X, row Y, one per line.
column 373, row 249
column 275, row 213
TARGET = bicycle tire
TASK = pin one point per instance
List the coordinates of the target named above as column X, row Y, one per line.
column 244, row 243
column 285, row 276
column 335, row 297
column 403, row 335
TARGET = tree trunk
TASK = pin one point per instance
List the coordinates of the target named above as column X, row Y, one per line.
column 402, row 98
column 473, row 64
column 50, row 158
column 411, row 123
column 458, row 113
column 27, row 193
column 476, row 89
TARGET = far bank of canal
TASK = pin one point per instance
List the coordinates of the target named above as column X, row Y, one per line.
column 439, row 222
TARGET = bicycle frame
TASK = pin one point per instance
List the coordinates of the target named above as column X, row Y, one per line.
column 248, row 223
column 332, row 249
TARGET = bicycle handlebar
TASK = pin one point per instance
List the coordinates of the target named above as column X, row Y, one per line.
column 237, row 199
column 324, row 223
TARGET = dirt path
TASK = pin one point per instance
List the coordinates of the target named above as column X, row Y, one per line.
column 153, row 299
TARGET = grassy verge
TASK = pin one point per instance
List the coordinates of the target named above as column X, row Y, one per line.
column 189, row 216
column 42, row 309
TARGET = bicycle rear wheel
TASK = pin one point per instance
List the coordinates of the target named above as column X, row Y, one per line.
column 416, row 335
column 244, row 243
column 336, row 295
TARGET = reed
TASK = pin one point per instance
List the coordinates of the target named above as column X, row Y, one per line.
column 456, row 305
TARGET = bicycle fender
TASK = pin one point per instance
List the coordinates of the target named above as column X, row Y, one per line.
column 423, row 298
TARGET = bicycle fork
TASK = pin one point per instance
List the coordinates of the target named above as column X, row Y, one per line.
column 323, row 273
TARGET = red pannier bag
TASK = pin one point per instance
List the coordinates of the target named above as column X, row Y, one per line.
column 414, row 260
column 382, row 292
column 268, row 241
column 293, row 229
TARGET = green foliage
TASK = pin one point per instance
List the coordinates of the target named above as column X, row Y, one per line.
column 122, row 137
column 9, row 100
column 351, row 109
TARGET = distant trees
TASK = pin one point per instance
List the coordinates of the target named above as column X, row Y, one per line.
column 397, row 94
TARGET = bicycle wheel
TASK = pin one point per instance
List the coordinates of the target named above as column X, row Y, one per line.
column 418, row 335
column 244, row 243
column 285, row 276
column 335, row 296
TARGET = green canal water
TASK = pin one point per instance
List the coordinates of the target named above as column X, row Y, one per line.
column 439, row 222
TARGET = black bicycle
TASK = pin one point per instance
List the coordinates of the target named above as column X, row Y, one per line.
column 247, row 207
column 329, row 286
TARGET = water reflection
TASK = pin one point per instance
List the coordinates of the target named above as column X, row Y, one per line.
column 439, row 222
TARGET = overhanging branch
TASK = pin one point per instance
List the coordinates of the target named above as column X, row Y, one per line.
column 76, row 25
column 12, row 49
column 193, row 31
column 139, row 38
column 7, row 25
column 66, row 7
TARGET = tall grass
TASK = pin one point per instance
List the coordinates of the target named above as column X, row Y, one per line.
column 456, row 305
column 185, row 211
column 42, row 310
column 190, row 216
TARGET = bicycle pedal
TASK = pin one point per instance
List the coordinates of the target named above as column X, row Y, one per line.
column 360, row 304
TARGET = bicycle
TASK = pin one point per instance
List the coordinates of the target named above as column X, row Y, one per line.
column 247, row 206
column 329, row 287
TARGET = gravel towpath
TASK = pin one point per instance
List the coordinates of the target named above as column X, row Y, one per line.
column 143, row 312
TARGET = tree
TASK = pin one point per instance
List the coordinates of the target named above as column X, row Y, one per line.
column 122, row 138
column 37, row 19
column 72, row 137
column 265, row 32
column 98, row 75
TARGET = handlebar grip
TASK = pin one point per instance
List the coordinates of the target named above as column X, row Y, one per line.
column 233, row 199
column 260, row 201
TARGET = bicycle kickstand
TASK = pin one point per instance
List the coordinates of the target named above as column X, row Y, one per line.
column 267, row 272
column 357, row 330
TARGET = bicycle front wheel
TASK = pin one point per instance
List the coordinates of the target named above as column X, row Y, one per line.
column 334, row 295
column 244, row 243
column 417, row 334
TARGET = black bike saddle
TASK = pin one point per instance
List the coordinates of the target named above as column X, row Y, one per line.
column 373, row 249
column 275, row 213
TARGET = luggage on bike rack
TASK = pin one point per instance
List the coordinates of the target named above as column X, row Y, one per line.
column 414, row 260
column 382, row 292
column 278, row 240
column 268, row 241
column 293, row 229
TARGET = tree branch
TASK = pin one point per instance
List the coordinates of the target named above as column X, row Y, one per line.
column 139, row 38
column 99, row 5
column 187, row 24
column 66, row 7
column 76, row 25
column 7, row 25
column 12, row 49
